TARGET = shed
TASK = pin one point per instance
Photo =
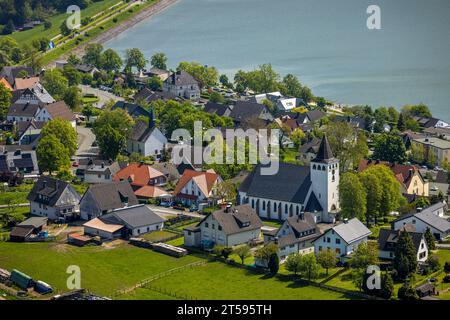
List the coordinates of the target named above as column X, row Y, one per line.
column 78, row 239
column 426, row 289
column 20, row 234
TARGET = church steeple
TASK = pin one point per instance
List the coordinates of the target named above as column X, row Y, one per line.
column 324, row 154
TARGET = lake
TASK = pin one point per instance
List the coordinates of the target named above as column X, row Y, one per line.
column 326, row 43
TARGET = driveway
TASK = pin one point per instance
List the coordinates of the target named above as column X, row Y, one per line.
column 104, row 96
column 85, row 139
column 164, row 212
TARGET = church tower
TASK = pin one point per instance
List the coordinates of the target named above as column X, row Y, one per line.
column 325, row 179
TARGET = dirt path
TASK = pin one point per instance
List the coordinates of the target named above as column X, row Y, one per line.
column 115, row 31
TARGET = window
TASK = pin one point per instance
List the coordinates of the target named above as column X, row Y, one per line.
column 206, row 224
column 285, row 208
column 338, row 251
column 213, row 226
column 220, row 228
column 328, row 240
column 274, row 207
column 414, row 221
column 264, row 205
column 338, row 241
column 253, row 203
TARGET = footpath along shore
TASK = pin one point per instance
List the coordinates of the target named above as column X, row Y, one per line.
column 146, row 13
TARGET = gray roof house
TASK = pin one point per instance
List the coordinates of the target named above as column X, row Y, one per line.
column 220, row 109
column 11, row 73
column 100, row 199
column 182, row 85
column 387, row 242
column 243, row 111
column 343, row 239
column 37, row 94
column 230, row 226
column 126, row 222
column 98, row 170
column 15, row 159
column 431, row 217
column 133, row 109
column 54, row 199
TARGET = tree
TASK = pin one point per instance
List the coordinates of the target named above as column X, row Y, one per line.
column 407, row 292
column 159, row 60
column 429, row 238
column 72, row 97
column 110, row 141
column 5, row 100
column 118, row 119
column 55, row 83
column 405, row 260
column 110, row 61
column 387, row 286
column 73, row 60
column 327, row 259
column 389, row 147
column 352, row 196
column 417, row 152
column 401, row 125
column 293, row 263
column 64, row 132
column 291, row 86
column 242, row 251
column 365, row 254
column 419, row 110
column 223, row 79
column 72, row 75
column 274, row 263
column 135, row 58
column 298, row 137
column 93, row 55
column 374, row 194
column 52, row 155
column 216, row 98
column 65, row 30
column 155, row 83
column 225, row 190
column 309, row 266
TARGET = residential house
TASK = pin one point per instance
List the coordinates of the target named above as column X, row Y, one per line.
column 134, row 110
column 102, row 198
column 98, row 170
column 439, row 132
column 409, row 176
column 146, row 139
column 295, row 189
column 37, row 94
column 310, row 116
column 10, row 73
column 308, row 151
column 244, row 112
column 26, row 83
column 343, row 238
column 145, row 180
column 387, row 243
column 229, row 227
column 221, row 110
column 29, row 132
column 295, row 235
column 438, row 147
column 431, row 122
column 281, row 102
column 197, row 188
column 17, row 161
column 147, row 95
column 23, row 112
column 440, row 186
column 432, row 217
column 56, row 110
column 86, row 69
column 408, row 136
column 126, row 222
column 182, row 85
column 160, row 73
column 54, row 199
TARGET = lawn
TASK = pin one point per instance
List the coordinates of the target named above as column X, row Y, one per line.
column 102, row 270
column 158, row 235
column 231, row 283
column 15, row 195
column 38, row 32
column 272, row 223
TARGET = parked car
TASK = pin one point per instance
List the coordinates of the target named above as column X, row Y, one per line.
column 193, row 208
column 166, row 204
column 75, row 164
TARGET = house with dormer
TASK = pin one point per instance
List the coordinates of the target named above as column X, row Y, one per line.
column 54, row 199
column 230, row 226
column 295, row 189
column 182, row 85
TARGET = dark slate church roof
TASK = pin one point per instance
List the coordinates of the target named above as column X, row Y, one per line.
column 291, row 183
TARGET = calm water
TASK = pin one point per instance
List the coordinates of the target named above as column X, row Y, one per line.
column 324, row 42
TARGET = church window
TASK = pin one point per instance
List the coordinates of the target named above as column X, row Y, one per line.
column 274, row 207
column 314, row 167
column 264, row 205
column 253, row 203
column 285, row 208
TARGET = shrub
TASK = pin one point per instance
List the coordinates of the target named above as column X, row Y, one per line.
column 47, row 24
column 446, row 279
column 407, row 292
column 447, row 266
column 434, row 263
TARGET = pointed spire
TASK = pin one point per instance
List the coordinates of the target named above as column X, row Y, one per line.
column 324, row 154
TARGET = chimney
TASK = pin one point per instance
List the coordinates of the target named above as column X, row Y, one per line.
column 346, row 220
column 44, row 184
column 419, row 209
column 228, row 208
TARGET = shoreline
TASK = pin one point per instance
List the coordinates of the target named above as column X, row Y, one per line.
column 110, row 34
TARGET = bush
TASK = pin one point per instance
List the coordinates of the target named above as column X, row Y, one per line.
column 446, row 279
column 447, row 267
column 47, row 24
column 407, row 292
column 434, row 263
column 114, row 20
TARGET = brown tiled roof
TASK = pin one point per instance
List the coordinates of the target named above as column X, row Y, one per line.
column 60, row 110
column 138, row 174
column 25, row 83
column 205, row 180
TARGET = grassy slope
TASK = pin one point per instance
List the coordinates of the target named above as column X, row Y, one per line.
column 102, row 270
column 216, row 280
column 38, row 32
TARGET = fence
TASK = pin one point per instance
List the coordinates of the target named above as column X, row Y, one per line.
column 145, row 283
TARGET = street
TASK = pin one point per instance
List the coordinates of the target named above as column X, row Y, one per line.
column 85, row 139
column 104, row 96
column 164, row 212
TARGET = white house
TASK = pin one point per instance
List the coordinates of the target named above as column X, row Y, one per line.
column 295, row 189
column 427, row 218
column 56, row 110
column 197, row 188
column 126, row 222
column 387, row 243
column 54, row 199
column 343, row 238
column 295, row 235
column 229, row 227
column 147, row 139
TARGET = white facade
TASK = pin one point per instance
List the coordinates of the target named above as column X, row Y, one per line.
column 67, row 203
column 153, row 146
column 420, row 226
column 44, row 115
column 422, row 252
column 325, row 184
column 98, row 177
column 146, row 229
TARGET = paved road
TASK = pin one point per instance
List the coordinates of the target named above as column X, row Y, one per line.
column 85, row 139
column 104, row 96
column 162, row 211
column 443, row 246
